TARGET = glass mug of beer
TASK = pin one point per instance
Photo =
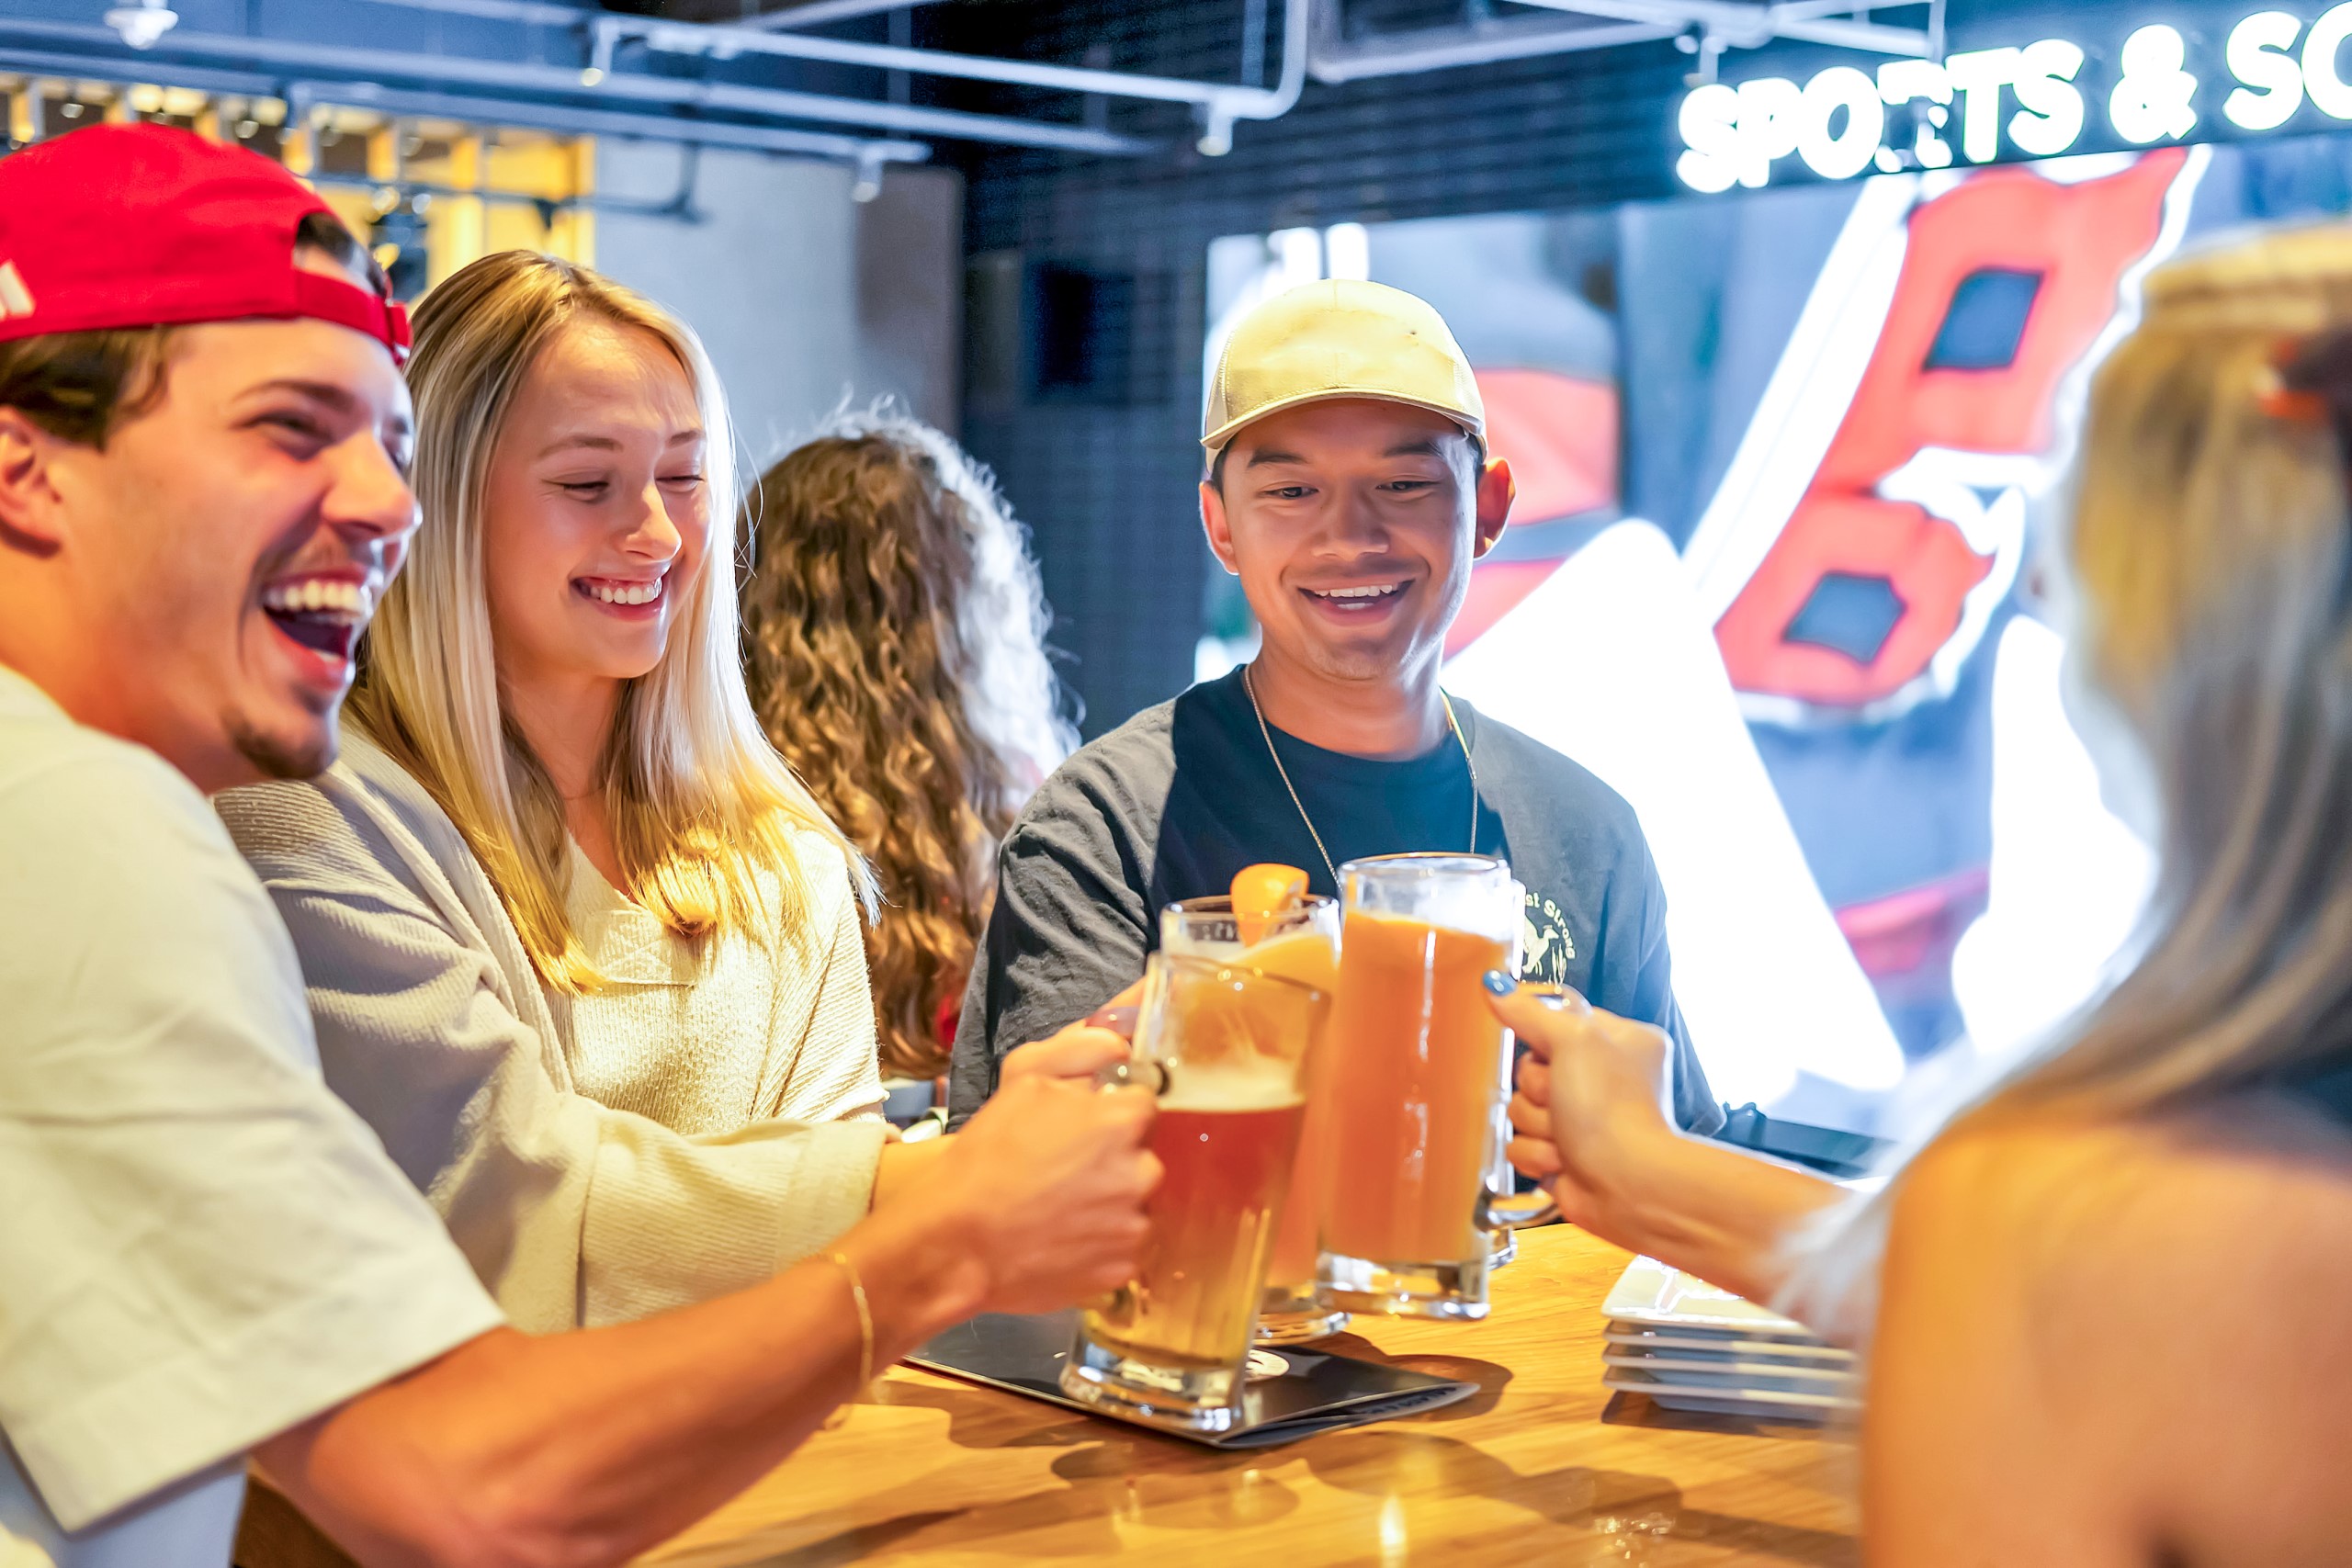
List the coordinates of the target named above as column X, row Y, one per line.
column 1504, row 1238
column 1510, row 1210
column 1408, row 1227
column 1300, row 943
column 1225, row 1050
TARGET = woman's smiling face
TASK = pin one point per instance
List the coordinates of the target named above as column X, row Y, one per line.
column 597, row 509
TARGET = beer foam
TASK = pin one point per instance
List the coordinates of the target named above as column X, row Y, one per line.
column 1231, row 1086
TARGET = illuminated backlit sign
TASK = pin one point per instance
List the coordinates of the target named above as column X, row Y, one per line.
column 1983, row 104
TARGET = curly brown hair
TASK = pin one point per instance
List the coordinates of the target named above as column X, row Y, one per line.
column 893, row 641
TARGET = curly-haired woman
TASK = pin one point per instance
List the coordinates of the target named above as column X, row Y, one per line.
column 894, row 640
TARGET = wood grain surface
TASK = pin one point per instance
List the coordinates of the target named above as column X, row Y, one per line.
column 1541, row 1466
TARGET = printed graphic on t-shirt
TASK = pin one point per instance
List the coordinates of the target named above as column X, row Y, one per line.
column 1546, row 947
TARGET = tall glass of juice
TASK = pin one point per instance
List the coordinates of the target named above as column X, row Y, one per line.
column 1301, row 943
column 1225, row 1050
column 1417, row 1058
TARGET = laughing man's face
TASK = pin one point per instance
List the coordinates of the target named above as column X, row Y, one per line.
column 231, row 542
column 1353, row 525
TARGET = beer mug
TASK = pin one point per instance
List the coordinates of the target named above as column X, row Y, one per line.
column 1302, row 943
column 1409, row 1219
column 1225, row 1049
column 1508, row 1210
column 1502, row 1242
column 1504, row 1239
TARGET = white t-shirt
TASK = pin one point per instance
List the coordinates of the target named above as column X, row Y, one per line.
column 200, row 1247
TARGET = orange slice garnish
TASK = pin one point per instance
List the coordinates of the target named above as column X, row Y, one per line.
column 1262, row 896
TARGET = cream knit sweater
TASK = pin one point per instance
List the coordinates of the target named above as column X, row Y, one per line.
column 708, row 1118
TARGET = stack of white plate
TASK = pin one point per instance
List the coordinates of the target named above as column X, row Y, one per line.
column 1691, row 1346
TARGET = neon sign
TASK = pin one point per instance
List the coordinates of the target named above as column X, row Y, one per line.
column 2032, row 101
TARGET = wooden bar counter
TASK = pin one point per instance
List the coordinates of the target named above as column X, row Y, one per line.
column 1541, row 1466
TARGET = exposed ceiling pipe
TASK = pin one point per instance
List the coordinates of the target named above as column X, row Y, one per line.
column 533, row 11
column 1750, row 26
column 300, row 96
column 1807, row 10
column 816, row 13
column 1220, row 103
column 1334, row 58
column 1253, row 103
column 162, row 73
column 500, row 77
column 678, row 207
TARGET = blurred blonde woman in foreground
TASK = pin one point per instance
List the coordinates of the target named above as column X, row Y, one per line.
column 578, row 946
column 894, row 636
column 2105, row 1304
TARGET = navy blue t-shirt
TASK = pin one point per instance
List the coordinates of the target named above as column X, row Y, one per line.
column 1174, row 802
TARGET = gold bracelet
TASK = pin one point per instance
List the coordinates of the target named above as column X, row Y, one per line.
column 865, row 1319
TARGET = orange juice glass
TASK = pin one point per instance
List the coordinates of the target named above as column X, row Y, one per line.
column 1301, row 944
column 1419, row 1057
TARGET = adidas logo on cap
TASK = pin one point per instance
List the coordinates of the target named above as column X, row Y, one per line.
column 15, row 299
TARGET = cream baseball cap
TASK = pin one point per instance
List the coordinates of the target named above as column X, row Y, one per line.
column 1341, row 338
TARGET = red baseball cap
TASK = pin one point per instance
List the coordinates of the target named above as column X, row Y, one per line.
column 148, row 225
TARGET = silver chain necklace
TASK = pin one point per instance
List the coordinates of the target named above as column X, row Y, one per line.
column 1452, row 723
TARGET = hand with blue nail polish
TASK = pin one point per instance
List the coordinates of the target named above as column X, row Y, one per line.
column 1590, row 1120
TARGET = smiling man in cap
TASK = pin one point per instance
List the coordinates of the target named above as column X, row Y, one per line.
column 203, row 433
column 1350, row 490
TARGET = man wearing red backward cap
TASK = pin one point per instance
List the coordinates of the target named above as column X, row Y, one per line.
column 203, row 442
column 189, row 520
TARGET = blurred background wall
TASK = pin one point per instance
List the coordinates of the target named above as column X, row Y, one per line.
column 806, row 297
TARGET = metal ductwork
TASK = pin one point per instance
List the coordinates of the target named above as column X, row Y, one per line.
column 1706, row 28
column 572, row 65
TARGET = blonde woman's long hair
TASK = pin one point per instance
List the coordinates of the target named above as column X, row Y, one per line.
column 894, row 632
column 696, row 797
column 2210, row 544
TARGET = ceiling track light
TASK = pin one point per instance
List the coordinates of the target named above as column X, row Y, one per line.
column 140, row 25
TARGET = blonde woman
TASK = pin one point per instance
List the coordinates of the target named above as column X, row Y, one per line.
column 2105, row 1303
column 578, row 946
